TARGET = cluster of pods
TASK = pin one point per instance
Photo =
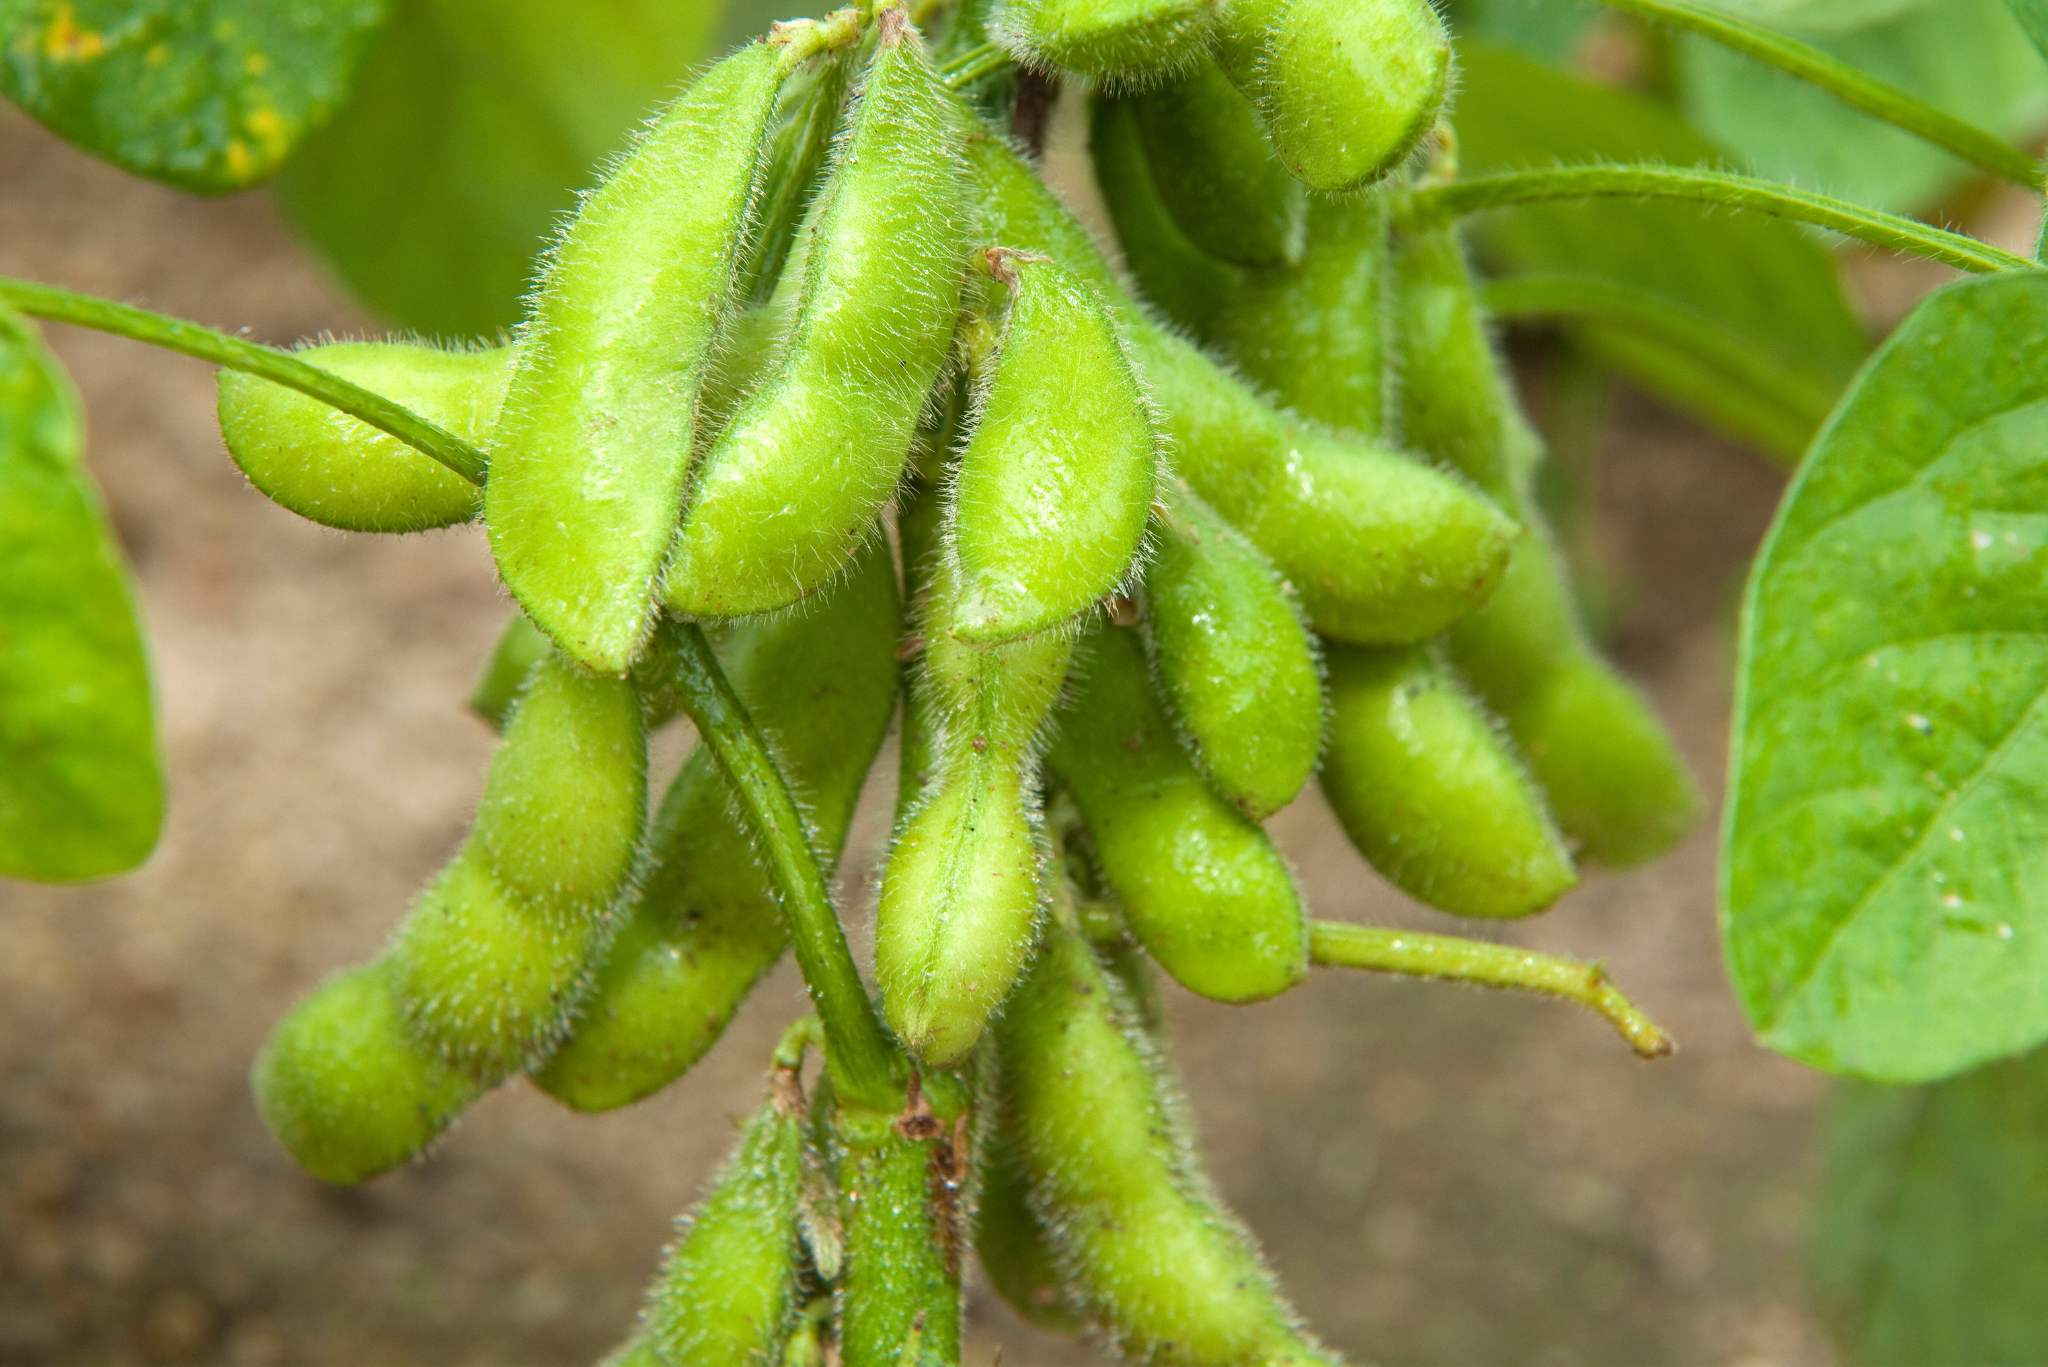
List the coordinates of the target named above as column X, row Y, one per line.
column 825, row 370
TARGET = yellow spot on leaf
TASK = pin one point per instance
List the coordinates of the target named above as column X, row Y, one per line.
column 269, row 129
column 65, row 41
column 240, row 163
column 256, row 64
column 158, row 54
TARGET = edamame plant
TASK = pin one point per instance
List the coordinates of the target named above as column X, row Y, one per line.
column 1139, row 501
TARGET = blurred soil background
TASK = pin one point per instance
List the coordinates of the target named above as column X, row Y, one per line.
column 1440, row 1176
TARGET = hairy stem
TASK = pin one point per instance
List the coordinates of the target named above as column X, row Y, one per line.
column 862, row 1062
column 1592, row 299
column 1432, row 205
column 1857, row 89
column 238, row 353
column 973, row 64
column 1450, row 958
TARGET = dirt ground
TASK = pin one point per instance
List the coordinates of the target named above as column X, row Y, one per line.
column 1440, row 1176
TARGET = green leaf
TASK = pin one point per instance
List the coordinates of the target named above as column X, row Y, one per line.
column 81, row 792
column 1817, row 15
column 1963, row 56
column 209, row 95
column 1545, row 31
column 2033, row 17
column 1928, row 1238
column 474, row 125
column 1885, row 890
column 1765, row 283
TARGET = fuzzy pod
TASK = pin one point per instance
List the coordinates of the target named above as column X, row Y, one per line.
column 1614, row 777
column 1012, row 1244
column 637, row 1351
column 899, row 1182
column 490, row 962
column 793, row 486
column 521, row 646
column 729, row 1293
column 1049, row 500
column 1216, row 172
column 1429, row 792
column 590, row 453
column 813, row 100
column 1202, row 886
column 343, row 1086
column 1382, row 549
column 1117, row 42
column 339, row 471
column 1235, row 664
column 703, row 924
column 1346, row 88
column 960, row 891
column 1145, row 1249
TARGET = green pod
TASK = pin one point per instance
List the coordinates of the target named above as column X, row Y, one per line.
column 343, row 1086
column 813, row 99
column 1202, row 886
column 1234, row 663
column 339, row 471
column 899, row 1181
column 1382, row 549
column 1173, row 275
column 1613, row 775
column 793, row 486
column 959, row 901
column 728, row 1295
column 637, row 1351
column 1429, row 793
column 1118, row 42
column 702, row 925
column 589, row 456
column 521, row 646
column 1061, row 458
column 1012, row 1244
column 493, row 957
column 1217, row 173
column 1144, row 1247
column 1346, row 88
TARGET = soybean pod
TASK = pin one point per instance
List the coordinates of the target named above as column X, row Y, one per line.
column 1203, row 888
column 1381, row 548
column 1612, row 773
column 588, row 460
column 1217, row 174
column 1346, row 88
column 488, row 967
column 796, row 481
column 1144, row 1247
column 339, row 471
column 1234, row 663
column 1049, row 500
column 702, row 925
column 729, row 1293
column 1121, row 42
column 900, row 1181
column 959, row 901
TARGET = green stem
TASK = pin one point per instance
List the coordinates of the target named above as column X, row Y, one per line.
column 1433, row 205
column 1852, row 87
column 973, row 64
column 238, row 353
column 1592, row 299
column 1450, row 958
column 860, row 1059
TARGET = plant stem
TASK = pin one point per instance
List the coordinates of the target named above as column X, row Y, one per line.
column 238, row 353
column 1450, row 958
column 862, row 1062
column 1605, row 301
column 1857, row 89
column 1433, row 205
column 973, row 64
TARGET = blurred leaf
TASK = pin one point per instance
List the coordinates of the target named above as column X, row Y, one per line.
column 81, row 793
column 2033, row 17
column 1967, row 57
column 1544, row 29
column 1817, row 15
column 205, row 94
column 1766, row 283
column 1885, row 895
column 475, row 123
column 1928, row 1242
